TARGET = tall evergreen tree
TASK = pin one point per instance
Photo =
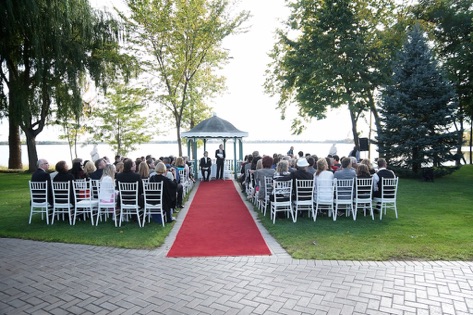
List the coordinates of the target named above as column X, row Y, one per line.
column 417, row 109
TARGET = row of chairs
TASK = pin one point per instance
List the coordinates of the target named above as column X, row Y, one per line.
column 82, row 197
column 334, row 195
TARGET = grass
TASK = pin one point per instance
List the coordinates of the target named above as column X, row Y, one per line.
column 14, row 214
column 435, row 223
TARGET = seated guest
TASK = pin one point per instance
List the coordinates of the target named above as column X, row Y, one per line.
column 301, row 170
column 77, row 171
column 205, row 166
column 322, row 174
column 107, row 191
column 362, row 171
column 63, row 174
column 347, row 171
column 382, row 172
column 169, row 189
column 367, row 162
column 99, row 165
column 311, row 162
column 143, row 170
column 260, row 174
column 336, row 163
column 89, row 168
column 129, row 175
column 42, row 175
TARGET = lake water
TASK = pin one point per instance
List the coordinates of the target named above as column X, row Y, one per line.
column 57, row 152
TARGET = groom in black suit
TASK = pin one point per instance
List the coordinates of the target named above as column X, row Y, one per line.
column 220, row 156
column 205, row 166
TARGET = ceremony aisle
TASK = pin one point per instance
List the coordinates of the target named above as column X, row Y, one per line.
column 218, row 224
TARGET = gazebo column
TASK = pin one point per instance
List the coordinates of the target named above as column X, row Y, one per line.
column 241, row 148
column 194, row 151
column 189, row 149
column 234, row 159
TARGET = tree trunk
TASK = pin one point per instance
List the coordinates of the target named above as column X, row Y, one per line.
column 178, row 134
column 14, row 145
column 354, row 129
column 31, row 148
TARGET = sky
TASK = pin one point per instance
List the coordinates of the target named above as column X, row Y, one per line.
column 245, row 104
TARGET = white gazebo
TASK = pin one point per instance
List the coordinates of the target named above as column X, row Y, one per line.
column 214, row 128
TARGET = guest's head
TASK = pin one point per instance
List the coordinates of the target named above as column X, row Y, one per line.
column 321, row 165
column 61, row 167
column 267, row 161
column 161, row 168
column 43, row 164
column 109, row 170
column 282, row 167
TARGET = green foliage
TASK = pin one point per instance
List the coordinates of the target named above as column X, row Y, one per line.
column 450, row 23
column 332, row 53
column 184, row 40
column 120, row 121
column 47, row 50
column 417, row 110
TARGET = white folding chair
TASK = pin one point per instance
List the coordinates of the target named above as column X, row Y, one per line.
column 129, row 201
column 282, row 199
column 62, row 200
column 227, row 169
column 324, row 192
column 249, row 186
column 185, row 182
column 388, row 196
column 304, row 197
column 153, row 200
column 268, row 190
column 95, row 188
column 344, row 196
column 107, row 201
column 363, row 196
column 39, row 199
column 83, row 202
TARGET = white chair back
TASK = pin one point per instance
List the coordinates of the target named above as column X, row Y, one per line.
column 153, row 200
column 39, row 199
column 62, row 200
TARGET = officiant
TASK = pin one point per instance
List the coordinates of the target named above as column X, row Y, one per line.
column 220, row 156
column 205, row 166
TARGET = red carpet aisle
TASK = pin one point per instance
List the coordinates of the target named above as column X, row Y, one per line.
column 218, row 224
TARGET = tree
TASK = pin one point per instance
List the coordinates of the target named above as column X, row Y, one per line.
column 451, row 26
column 47, row 48
column 121, row 121
column 338, row 57
column 184, row 39
column 417, row 110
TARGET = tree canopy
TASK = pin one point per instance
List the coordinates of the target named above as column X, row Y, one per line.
column 184, row 41
column 417, row 109
column 47, row 49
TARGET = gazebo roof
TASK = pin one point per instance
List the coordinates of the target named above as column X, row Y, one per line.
column 214, row 127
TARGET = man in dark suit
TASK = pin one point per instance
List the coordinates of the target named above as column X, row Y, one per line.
column 205, row 166
column 129, row 175
column 99, row 165
column 382, row 172
column 41, row 175
column 220, row 156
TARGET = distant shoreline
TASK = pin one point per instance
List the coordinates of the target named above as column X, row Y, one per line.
column 208, row 140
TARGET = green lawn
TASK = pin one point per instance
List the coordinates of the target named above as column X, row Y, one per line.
column 435, row 223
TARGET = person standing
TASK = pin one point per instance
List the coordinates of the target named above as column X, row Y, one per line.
column 205, row 166
column 220, row 156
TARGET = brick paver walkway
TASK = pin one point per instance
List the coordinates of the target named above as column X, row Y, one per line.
column 51, row 278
